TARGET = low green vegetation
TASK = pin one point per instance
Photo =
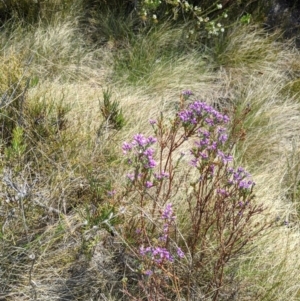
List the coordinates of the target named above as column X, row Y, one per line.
column 145, row 156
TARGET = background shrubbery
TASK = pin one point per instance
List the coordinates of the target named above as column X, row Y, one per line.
column 168, row 215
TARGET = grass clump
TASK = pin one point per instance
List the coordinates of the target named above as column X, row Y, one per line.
column 31, row 12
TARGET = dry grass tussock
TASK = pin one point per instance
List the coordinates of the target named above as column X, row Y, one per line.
column 48, row 251
column 58, row 52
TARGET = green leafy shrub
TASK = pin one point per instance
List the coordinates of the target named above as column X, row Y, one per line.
column 13, row 87
column 111, row 112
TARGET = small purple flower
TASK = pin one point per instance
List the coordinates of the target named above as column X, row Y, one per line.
column 205, row 133
column 163, row 238
column 157, row 176
column 225, row 158
column 148, row 272
column 111, row 193
column 157, row 254
column 168, row 213
column 230, row 170
column 126, row 147
column 241, row 178
column 180, row 253
column 184, row 116
column 245, row 184
column 222, row 192
column 161, row 254
column 212, row 169
column 213, row 146
column 226, row 119
column 194, row 162
column 148, row 184
column 161, row 176
column 203, row 142
column 130, row 176
column 197, row 110
column 148, row 152
column 165, row 174
column 209, row 121
column 240, row 169
column 237, row 176
column 223, row 138
column 151, row 140
column 221, row 130
column 204, row 155
column 151, row 163
column 144, row 251
column 187, row 92
column 152, row 121
column 140, row 139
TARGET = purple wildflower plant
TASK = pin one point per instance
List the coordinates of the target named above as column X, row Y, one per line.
column 217, row 195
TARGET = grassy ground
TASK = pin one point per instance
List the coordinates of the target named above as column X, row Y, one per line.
column 60, row 155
